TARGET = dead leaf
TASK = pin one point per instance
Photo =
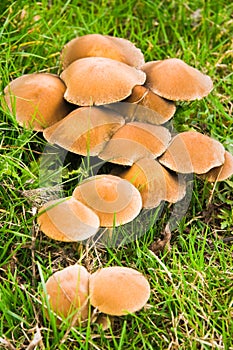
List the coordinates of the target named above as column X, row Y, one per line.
column 161, row 244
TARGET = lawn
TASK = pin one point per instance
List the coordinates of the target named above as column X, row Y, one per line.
column 191, row 302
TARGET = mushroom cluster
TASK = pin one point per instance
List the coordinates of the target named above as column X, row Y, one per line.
column 99, row 201
column 114, row 290
column 108, row 102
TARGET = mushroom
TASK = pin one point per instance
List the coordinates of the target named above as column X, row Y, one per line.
column 68, row 292
column 97, row 45
column 193, row 152
column 118, row 290
column 85, row 130
column 67, row 220
column 175, row 80
column 37, row 100
column 134, row 141
column 154, row 182
column 164, row 108
column 98, row 81
column 221, row 172
column 116, row 201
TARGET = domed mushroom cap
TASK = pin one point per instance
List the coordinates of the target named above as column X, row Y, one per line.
column 97, row 45
column 118, row 290
column 193, row 152
column 222, row 172
column 116, row 201
column 37, row 100
column 135, row 141
column 67, row 220
column 85, row 131
column 68, row 291
column 176, row 80
column 164, row 109
column 154, row 182
column 98, row 81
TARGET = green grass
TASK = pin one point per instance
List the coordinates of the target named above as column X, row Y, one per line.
column 191, row 303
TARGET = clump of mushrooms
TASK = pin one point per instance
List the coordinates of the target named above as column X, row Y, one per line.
column 114, row 290
column 108, row 102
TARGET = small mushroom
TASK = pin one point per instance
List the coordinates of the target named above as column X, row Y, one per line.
column 134, row 141
column 68, row 294
column 154, row 182
column 193, row 152
column 37, row 100
column 97, row 45
column 175, row 80
column 85, row 131
column 67, row 220
column 118, row 290
column 221, row 172
column 164, row 108
column 98, row 81
column 116, row 201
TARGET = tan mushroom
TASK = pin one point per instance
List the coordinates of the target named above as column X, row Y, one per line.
column 142, row 96
column 98, row 80
column 116, row 201
column 67, row 220
column 221, row 172
column 85, row 131
column 97, row 45
column 37, row 100
column 135, row 141
column 175, row 80
column 68, row 294
column 118, row 290
column 154, row 182
column 193, row 152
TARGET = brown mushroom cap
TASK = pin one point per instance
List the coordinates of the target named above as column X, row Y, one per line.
column 97, row 45
column 37, row 100
column 118, row 290
column 222, row 172
column 193, row 152
column 98, row 81
column 154, row 182
column 68, row 291
column 164, row 109
column 67, row 220
column 85, row 131
column 116, row 201
column 176, row 80
column 134, row 141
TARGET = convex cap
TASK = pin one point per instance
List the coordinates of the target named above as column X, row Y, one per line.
column 67, row 220
column 193, row 152
column 68, row 292
column 97, row 45
column 85, row 130
column 175, row 80
column 37, row 100
column 116, row 201
column 154, row 182
column 134, row 141
column 163, row 108
column 118, row 290
column 98, row 81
